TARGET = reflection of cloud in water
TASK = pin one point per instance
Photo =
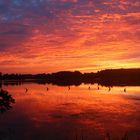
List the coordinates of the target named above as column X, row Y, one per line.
column 58, row 115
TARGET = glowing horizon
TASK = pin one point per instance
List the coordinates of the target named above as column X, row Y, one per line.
column 40, row 36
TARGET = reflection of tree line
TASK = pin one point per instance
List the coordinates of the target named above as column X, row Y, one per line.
column 110, row 77
column 6, row 101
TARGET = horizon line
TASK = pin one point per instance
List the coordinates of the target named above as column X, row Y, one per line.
column 73, row 71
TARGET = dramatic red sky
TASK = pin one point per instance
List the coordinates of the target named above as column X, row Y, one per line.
column 52, row 35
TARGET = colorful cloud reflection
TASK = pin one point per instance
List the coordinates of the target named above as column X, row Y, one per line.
column 52, row 35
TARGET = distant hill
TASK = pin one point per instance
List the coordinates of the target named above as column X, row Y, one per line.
column 119, row 77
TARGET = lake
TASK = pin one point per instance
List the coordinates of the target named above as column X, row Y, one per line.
column 85, row 112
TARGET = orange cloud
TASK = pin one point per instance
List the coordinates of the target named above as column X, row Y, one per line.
column 73, row 35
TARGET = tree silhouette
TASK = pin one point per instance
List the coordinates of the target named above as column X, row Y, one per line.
column 5, row 101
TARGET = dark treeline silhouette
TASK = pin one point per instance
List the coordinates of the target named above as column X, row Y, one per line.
column 119, row 77
column 109, row 77
column 65, row 78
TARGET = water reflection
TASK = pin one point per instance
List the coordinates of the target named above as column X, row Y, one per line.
column 82, row 114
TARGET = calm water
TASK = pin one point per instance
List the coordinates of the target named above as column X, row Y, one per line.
column 77, row 113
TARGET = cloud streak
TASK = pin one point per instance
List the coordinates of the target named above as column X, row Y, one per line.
column 52, row 35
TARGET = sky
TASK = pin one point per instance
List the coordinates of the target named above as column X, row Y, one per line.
column 38, row 36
